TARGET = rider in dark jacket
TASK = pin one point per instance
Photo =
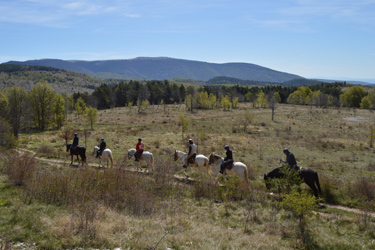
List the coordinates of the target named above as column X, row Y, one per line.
column 75, row 143
column 102, row 146
column 290, row 159
column 227, row 160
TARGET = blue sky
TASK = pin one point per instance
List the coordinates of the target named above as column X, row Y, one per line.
column 310, row 38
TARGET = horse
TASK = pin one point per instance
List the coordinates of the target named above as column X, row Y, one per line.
column 200, row 160
column 78, row 151
column 239, row 168
column 146, row 157
column 106, row 155
column 307, row 175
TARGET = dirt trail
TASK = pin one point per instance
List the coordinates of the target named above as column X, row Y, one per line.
column 61, row 162
column 348, row 209
column 187, row 180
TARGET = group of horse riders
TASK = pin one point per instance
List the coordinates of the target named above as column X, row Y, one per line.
column 102, row 146
column 228, row 160
column 190, row 159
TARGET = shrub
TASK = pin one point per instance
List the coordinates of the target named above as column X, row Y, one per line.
column 6, row 137
column 301, row 206
column 204, row 188
column 20, row 169
column 328, row 190
column 46, row 150
column 365, row 188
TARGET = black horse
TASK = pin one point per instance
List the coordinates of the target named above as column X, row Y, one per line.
column 307, row 175
column 78, row 151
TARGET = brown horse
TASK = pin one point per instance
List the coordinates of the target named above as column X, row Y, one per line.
column 307, row 175
column 79, row 150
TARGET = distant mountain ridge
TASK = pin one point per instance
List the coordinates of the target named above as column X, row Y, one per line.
column 160, row 68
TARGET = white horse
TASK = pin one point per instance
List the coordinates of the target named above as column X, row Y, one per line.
column 106, row 155
column 146, row 157
column 200, row 160
column 238, row 168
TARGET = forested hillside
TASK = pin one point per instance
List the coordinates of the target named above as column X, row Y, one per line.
column 62, row 81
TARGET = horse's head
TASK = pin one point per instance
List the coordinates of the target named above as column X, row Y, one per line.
column 266, row 180
column 175, row 155
column 96, row 148
column 211, row 158
column 130, row 153
column 68, row 147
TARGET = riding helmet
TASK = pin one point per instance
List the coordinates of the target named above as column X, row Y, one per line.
column 226, row 147
column 191, row 140
column 102, row 139
column 285, row 150
column 139, row 139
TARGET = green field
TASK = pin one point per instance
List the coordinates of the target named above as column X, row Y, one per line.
column 59, row 206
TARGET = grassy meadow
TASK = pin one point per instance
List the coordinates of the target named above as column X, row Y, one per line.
column 56, row 206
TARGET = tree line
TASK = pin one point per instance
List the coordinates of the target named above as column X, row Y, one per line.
column 131, row 93
column 42, row 108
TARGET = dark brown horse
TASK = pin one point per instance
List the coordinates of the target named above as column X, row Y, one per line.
column 307, row 175
column 78, row 151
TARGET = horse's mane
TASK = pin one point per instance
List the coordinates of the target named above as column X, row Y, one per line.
column 274, row 172
column 215, row 156
column 177, row 152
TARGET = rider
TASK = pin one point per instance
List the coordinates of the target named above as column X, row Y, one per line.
column 290, row 160
column 75, row 143
column 227, row 160
column 139, row 149
column 192, row 153
column 102, row 146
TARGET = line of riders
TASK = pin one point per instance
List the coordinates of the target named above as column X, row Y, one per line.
column 226, row 164
column 103, row 145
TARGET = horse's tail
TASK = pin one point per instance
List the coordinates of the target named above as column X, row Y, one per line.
column 246, row 175
column 84, row 155
column 206, row 163
column 110, row 157
column 152, row 160
column 317, row 182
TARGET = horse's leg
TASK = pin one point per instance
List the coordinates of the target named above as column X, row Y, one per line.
column 312, row 186
column 185, row 172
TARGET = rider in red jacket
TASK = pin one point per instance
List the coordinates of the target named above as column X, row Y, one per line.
column 139, row 148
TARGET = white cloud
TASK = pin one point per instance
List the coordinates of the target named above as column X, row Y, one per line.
column 58, row 13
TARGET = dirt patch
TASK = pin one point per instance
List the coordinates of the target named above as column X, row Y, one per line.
column 355, row 119
column 348, row 209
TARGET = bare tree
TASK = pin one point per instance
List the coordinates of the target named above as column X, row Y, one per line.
column 273, row 101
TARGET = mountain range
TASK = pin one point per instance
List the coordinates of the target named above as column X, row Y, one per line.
column 160, row 68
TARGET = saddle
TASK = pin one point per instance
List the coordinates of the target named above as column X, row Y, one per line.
column 229, row 164
column 297, row 168
column 191, row 160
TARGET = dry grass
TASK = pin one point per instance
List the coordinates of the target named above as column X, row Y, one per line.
column 137, row 211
